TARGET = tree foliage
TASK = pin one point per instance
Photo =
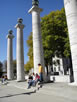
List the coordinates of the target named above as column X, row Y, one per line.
column 1, row 64
column 29, row 64
column 55, row 35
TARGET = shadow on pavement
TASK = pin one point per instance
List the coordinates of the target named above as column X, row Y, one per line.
column 27, row 93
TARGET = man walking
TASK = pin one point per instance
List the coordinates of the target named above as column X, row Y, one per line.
column 40, row 72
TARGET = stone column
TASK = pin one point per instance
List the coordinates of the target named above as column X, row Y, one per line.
column 37, row 39
column 10, row 37
column 71, row 15
column 20, row 51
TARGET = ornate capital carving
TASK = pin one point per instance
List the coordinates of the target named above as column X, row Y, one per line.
column 10, row 31
column 20, row 20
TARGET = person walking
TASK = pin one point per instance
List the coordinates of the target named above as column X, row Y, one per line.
column 40, row 72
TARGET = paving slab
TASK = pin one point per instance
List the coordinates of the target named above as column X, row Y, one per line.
column 58, row 92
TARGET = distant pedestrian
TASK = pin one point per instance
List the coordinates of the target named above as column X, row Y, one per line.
column 40, row 72
column 3, row 79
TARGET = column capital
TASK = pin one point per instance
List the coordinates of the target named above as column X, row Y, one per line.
column 35, row 8
column 20, row 26
column 35, row 2
column 10, row 35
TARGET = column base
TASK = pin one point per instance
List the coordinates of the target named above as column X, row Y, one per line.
column 73, row 84
column 22, row 80
column 10, row 79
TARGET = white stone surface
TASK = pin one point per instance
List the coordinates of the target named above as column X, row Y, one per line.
column 10, row 74
column 63, row 78
column 20, row 53
column 37, row 39
column 58, row 67
column 71, row 15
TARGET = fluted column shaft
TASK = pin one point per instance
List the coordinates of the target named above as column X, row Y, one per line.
column 20, row 53
column 71, row 15
column 10, row 74
column 37, row 39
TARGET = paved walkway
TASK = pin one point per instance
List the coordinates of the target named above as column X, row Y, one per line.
column 62, row 91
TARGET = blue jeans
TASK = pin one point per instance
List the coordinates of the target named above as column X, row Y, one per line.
column 41, row 77
column 31, row 83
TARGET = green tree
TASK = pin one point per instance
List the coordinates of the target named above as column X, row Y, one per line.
column 55, row 35
column 29, row 64
column 1, row 69
column 1, row 65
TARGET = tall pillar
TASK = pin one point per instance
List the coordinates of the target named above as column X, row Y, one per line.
column 20, row 51
column 71, row 15
column 37, row 39
column 10, row 37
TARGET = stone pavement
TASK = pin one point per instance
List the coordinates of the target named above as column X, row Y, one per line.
column 60, row 90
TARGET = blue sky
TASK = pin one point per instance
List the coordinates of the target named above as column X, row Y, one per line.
column 10, row 11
